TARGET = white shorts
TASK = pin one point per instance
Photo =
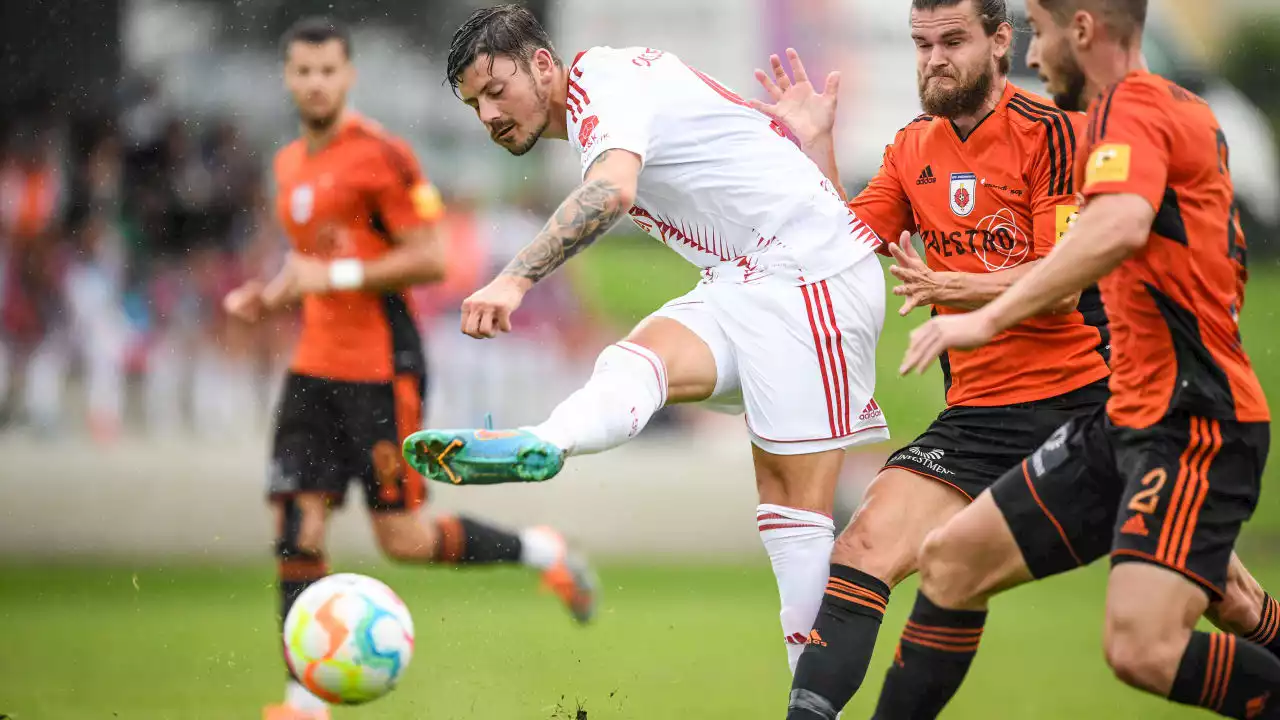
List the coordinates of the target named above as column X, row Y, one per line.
column 800, row 360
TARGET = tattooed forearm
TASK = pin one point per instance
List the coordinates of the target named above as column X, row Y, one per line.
column 585, row 215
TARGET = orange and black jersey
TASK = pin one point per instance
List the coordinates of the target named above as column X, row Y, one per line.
column 1174, row 306
column 985, row 203
column 347, row 200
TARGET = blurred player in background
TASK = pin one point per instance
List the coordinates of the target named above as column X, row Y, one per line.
column 1164, row 476
column 361, row 221
column 786, row 318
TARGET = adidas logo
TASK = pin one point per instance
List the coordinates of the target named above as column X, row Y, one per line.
column 872, row 410
column 815, row 638
column 1135, row 526
column 926, row 176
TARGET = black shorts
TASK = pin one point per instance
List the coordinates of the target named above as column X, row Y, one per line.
column 330, row 432
column 969, row 448
column 1174, row 494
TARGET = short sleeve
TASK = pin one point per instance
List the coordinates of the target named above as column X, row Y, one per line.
column 608, row 108
column 1054, row 204
column 883, row 204
column 403, row 197
column 1131, row 152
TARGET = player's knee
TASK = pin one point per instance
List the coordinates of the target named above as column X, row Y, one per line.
column 398, row 548
column 403, row 537
column 300, row 528
column 874, row 549
column 946, row 571
column 1141, row 655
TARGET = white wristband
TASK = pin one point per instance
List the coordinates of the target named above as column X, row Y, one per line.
column 346, row 274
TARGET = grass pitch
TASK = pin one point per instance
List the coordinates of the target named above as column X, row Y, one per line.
column 190, row 643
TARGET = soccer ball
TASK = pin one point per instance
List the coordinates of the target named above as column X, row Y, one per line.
column 348, row 639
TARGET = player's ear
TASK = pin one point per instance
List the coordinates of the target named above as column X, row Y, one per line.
column 1003, row 40
column 1083, row 28
column 544, row 62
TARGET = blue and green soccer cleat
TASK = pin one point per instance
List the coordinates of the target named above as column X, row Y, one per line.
column 482, row 457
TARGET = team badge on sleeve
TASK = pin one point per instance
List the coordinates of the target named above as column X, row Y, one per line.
column 1066, row 216
column 426, row 201
column 963, row 188
column 1108, row 163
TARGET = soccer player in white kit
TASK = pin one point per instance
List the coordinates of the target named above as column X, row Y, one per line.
column 783, row 323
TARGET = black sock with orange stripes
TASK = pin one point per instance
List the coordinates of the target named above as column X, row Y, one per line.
column 933, row 656
column 1267, row 633
column 297, row 571
column 1232, row 678
column 836, row 657
column 461, row 540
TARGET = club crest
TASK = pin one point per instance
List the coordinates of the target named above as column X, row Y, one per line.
column 964, row 188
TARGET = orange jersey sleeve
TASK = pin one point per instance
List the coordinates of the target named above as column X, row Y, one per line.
column 1131, row 144
column 883, row 203
column 403, row 197
column 1052, row 181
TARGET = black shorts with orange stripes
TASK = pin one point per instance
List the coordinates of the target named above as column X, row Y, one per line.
column 1174, row 494
column 969, row 448
column 330, row 433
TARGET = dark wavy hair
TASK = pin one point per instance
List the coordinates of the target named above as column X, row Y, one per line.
column 509, row 31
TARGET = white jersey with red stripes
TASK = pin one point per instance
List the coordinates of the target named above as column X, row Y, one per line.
column 721, row 183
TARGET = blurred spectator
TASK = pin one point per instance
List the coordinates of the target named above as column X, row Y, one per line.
column 119, row 238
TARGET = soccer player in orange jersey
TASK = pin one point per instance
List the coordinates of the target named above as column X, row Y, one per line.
column 361, row 221
column 986, row 178
column 1164, row 476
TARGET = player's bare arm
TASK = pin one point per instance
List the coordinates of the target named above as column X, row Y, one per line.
column 923, row 287
column 607, row 192
column 417, row 258
column 1114, row 227
column 810, row 116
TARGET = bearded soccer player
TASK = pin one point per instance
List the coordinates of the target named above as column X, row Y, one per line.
column 1161, row 479
column 984, row 177
column 1001, row 401
column 361, row 220
column 784, row 322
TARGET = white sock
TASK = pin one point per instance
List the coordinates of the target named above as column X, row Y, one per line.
column 799, row 545
column 540, row 547
column 299, row 698
column 626, row 388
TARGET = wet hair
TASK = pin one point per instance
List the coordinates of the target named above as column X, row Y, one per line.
column 509, row 31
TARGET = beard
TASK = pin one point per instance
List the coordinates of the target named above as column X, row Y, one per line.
column 964, row 99
column 321, row 123
column 1072, row 98
column 534, row 136
column 532, row 140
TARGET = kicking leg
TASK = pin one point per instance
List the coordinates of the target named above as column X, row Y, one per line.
column 874, row 553
column 661, row 362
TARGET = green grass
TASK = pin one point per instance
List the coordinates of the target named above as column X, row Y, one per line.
column 194, row 643
column 628, row 277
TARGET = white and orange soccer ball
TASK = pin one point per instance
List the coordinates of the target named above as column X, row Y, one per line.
column 348, row 639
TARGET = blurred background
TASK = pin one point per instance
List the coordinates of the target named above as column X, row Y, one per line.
column 135, row 146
